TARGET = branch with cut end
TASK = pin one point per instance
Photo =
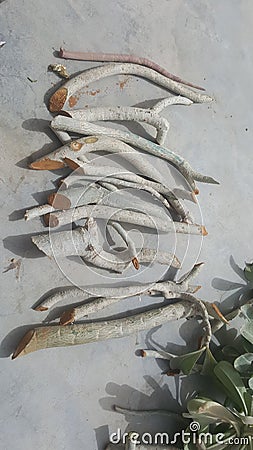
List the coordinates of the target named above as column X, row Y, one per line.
column 79, row 149
column 168, row 289
column 84, row 242
column 123, row 233
column 123, row 58
column 86, row 145
column 75, row 84
column 60, row 218
column 163, row 287
column 124, row 113
column 107, row 173
column 59, row 336
column 152, row 187
column 67, row 123
column 92, row 194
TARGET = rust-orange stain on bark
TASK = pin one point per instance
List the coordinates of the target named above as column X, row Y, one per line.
column 72, row 101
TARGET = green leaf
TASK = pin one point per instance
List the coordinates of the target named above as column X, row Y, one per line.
column 247, row 346
column 250, row 383
column 209, row 363
column 230, row 353
column 186, row 362
column 247, row 310
column 247, row 331
column 248, row 271
column 207, row 412
column 232, row 383
column 194, row 404
column 249, row 402
column 244, row 363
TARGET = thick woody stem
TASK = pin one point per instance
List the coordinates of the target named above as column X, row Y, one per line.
column 143, row 184
column 60, row 336
column 82, row 147
column 124, row 113
column 96, row 194
column 85, row 146
column 67, row 243
column 84, row 243
column 68, row 90
column 137, row 182
column 164, row 287
column 60, row 218
column 70, row 124
column 93, row 306
column 206, row 322
column 116, row 57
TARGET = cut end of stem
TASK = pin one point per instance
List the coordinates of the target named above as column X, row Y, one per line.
column 58, row 100
column 143, row 353
column 196, row 191
column 46, row 164
column 23, row 344
column 193, row 196
column 50, row 220
column 136, row 263
column 59, row 201
column 204, row 231
column 40, row 308
column 199, row 264
column 173, row 373
column 72, row 164
column 67, row 317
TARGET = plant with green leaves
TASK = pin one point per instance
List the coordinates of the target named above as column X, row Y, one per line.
column 228, row 421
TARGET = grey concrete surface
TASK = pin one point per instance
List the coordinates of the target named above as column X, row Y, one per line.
column 61, row 398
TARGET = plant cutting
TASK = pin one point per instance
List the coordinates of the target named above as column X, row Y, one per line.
column 119, row 57
column 69, row 89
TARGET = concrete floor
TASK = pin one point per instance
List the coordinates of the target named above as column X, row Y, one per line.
column 61, row 398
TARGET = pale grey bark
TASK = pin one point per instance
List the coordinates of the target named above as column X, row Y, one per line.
column 62, row 95
column 163, row 287
column 127, row 113
column 141, row 184
column 70, row 124
column 60, row 218
column 62, row 336
column 175, row 100
column 38, row 211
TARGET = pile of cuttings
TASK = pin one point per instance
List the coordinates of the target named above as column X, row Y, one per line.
column 100, row 192
column 86, row 196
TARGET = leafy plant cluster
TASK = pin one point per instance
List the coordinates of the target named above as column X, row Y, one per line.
column 230, row 369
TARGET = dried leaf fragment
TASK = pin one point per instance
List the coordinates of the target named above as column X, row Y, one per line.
column 60, row 69
column 14, row 264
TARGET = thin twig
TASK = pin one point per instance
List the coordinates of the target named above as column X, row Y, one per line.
column 116, row 57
